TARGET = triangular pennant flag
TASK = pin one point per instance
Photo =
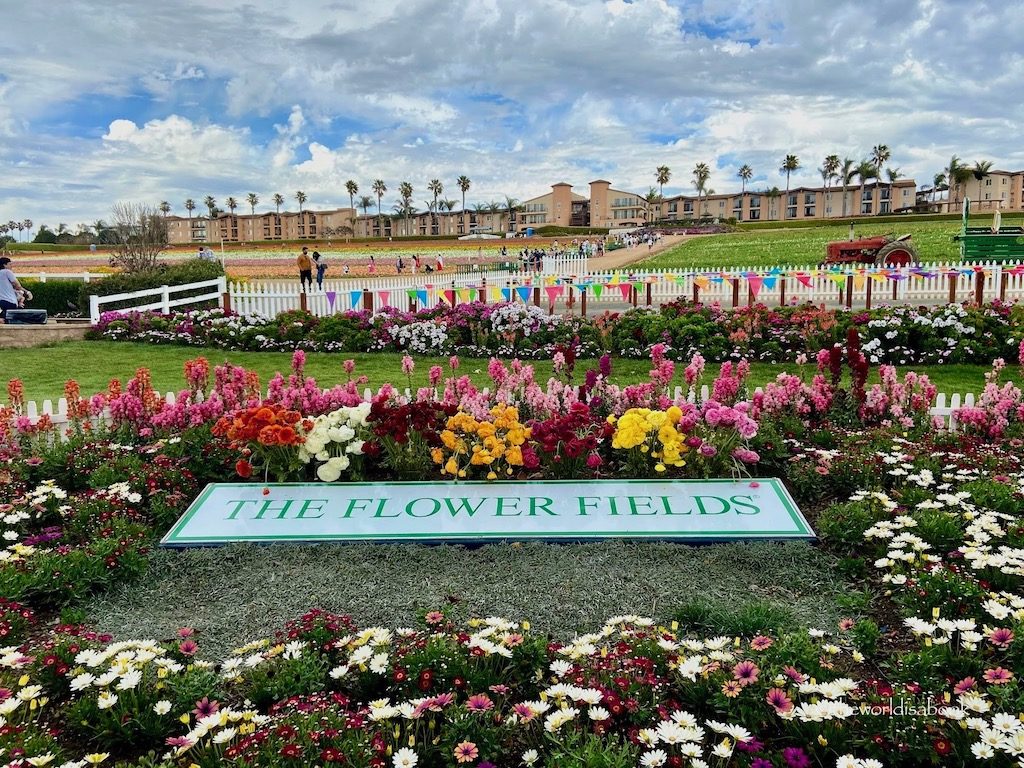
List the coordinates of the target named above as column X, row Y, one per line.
column 637, row 286
column 614, row 280
column 429, row 286
column 550, row 279
column 625, row 289
column 804, row 279
column 495, row 293
column 384, row 296
column 878, row 277
column 838, row 279
column 506, row 293
column 331, row 296
column 449, row 295
column 524, row 292
column 858, row 281
column 755, row 284
column 421, row 297
column 717, row 279
column 553, row 292
column 598, row 288
column 702, row 282
column 464, row 294
column 410, row 292
column 769, row 282
column 354, row 297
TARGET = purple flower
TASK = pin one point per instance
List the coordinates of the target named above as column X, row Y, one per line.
column 795, row 757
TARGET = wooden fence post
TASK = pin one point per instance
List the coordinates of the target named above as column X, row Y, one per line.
column 696, row 294
column 483, row 290
column 735, row 292
column 536, row 295
column 648, row 294
column 782, row 291
column 849, row 291
column 634, row 293
column 952, row 287
column 225, row 301
column 867, row 293
column 367, row 299
column 302, row 300
column 1003, row 280
column 583, row 303
column 979, row 287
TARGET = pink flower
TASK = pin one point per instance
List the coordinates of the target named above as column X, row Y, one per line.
column 188, row 647
column 453, row 362
column 435, row 374
column 479, row 702
column 349, row 366
column 998, row 676
column 1001, row 637
column 779, row 700
column 408, row 365
column 965, row 685
column 761, row 643
column 746, row 672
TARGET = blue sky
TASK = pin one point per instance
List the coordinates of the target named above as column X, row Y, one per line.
column 189, row 98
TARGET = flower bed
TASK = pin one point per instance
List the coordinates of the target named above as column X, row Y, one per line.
column 894, row 335
column 928, row 523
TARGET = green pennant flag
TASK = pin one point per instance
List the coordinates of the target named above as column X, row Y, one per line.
column 598, row 288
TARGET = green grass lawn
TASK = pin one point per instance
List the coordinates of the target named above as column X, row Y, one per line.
column 806, row 245
column 94, row 363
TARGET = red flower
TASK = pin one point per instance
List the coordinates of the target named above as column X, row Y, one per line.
column 943, row 746
column 243, row 468
column 291, row 750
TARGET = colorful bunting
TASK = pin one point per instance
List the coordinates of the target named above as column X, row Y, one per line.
column 384, row 295
column 598, row 288
column 331, row 296
column 354, row 297
column 524, row 292
column 754, row 281
column 421, row 297
column 625, row 289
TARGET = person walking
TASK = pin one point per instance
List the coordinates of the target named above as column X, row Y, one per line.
column 321, row 266
column 10, row 289
column 305, row 265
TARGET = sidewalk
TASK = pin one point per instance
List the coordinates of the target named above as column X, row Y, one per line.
column 626, row 256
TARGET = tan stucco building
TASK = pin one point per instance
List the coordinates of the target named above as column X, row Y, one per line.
column 249, row 228
column 995, row 189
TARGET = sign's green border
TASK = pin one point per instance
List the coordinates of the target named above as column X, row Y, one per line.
column 801, row 528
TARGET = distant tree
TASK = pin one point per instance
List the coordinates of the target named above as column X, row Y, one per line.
column 880, row 155
column 351, row 187
column 253, row 200
column 436, row 188
column 463, row 184
column 278, row 202
column 652, row 200
column 745, row 173
column 512, row 205
column 300, row 198
column 190, row 205
column 231, row 203
column 865, row 172
column 938, row 184
column 405, row 202
column 789, row 165
column 365, row 202
column 846, row 173
column 701, row 173
column 379, row 188
column 165, row 208
column 829, row 172
column 981, row 169
column 211, row 204
column 773, row 195
column 662, row 174
column 140, row 236
column 45, row 235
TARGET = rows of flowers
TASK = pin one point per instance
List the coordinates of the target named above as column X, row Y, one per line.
column 928, row 521
column 895, row 335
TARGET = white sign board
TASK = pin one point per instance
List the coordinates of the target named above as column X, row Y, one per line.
column 490, row 511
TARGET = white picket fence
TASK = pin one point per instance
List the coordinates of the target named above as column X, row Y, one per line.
column 164, row 303
column 42, row 277
column 944, row 408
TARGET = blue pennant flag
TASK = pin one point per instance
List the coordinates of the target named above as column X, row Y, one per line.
column 507, row 293
column 524, row 292
column 421, row 297
column 356, row 297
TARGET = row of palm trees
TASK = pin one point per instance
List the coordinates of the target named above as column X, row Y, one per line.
column 834, row 172
column 403, row 207
column 7, row 230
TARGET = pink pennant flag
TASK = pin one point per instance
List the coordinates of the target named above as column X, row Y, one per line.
column 755, row 284
column 625, row 289
column 553, row 292
column 450, row 295
column 384, row 297
column 803, row 278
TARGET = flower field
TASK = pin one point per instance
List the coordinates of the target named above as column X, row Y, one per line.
column 898, row 335
column 924, row 523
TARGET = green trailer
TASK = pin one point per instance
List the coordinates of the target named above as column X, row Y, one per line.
column 995, row 243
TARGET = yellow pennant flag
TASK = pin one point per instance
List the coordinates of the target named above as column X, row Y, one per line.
column 702, row 282
column 879, row 277
column 858, row 281
column 496, row 294
column 464, row 294
column 614, row 280
column 550, row 279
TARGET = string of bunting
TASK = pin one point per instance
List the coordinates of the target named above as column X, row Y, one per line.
column 555, row 287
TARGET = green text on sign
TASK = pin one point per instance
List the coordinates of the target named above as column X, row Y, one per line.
column 675, row 510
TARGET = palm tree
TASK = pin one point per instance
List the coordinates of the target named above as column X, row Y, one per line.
column 880, row 155
column 846, row 173
column 772, row 194
column 190, row 205
column 28, row 226
column 211, row 204
column 831, row 168
column 164, row 208
column 463, row 184
column 892, row 175
column 938, row 183
column 231, row 203
column 981, row 168
column 662, row 174
column 351, row 187
column 436, row 187
column 511, row 205
column 300, row 198
column 745, row 173
column 278, row 202
column 379, row 188
column 365, row 202
column 253, row 200
column 405, row 194
column 865, row 171
column 790, row 164
column 701, row 173
column 652, row 198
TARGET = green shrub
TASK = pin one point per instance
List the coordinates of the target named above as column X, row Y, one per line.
column 57, row 297
column 192, row 271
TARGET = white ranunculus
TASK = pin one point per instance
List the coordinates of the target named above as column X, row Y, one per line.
column 328, row 473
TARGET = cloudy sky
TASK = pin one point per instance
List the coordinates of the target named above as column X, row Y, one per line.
column 106, row 100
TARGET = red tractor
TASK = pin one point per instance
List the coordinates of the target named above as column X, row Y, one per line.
column 884, row 250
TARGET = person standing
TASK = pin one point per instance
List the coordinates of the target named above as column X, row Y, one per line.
column 10, row 289
column 305, row 265
column 372, row 267
column 415, row 263
column 400, row 265
column 321, row 266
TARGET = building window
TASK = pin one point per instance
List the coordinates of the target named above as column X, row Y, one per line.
column 623, row 202
column 721, row 203
column 737, row 203
column 755, row 214
column 884, row 207
column 791, row 211
column 688, row 207
column 809, row 198
column 808, row 211
column 885, row 193
column 865, row 207
column 673, row 207
column 988, row 182
column 755, row 202
column 867, row 194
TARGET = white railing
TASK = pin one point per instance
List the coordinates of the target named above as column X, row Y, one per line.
column 42, row 277
column 165, row 302
column 58, row 415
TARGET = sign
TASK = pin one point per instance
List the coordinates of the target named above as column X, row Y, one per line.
column 678, row 510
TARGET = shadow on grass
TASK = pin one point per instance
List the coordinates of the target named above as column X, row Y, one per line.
column 240, row 592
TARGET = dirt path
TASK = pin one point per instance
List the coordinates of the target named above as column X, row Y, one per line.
column 626, row 256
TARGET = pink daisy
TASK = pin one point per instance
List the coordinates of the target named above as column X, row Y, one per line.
column 746, row 672
column 998, row 676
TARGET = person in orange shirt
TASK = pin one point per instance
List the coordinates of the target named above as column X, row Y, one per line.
column 305, row 264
